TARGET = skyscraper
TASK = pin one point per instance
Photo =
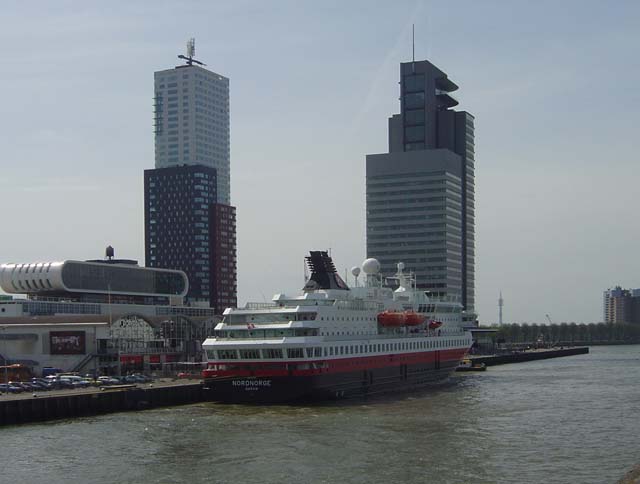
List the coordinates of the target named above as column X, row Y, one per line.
column 192, row 120
column 189, row 224
column 420, row 195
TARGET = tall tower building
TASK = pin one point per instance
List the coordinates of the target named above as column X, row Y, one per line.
column 420, row 195
column 192, row 120
column 189, row 223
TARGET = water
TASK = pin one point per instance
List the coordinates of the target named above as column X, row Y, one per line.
column 571, row 419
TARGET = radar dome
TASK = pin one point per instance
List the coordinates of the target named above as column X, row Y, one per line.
column 355, row 271
column 371, row 266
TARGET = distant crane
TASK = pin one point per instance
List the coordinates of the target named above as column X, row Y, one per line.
column 549, row 319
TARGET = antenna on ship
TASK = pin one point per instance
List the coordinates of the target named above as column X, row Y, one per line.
column 356, row 272
column 191, row 53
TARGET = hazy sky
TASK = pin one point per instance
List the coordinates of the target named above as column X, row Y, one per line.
column 554, row 87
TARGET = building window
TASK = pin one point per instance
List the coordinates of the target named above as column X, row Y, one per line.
column 414, row 100
column 415, row 116
column 414, row 134
column 414, row 83
column 414, row 146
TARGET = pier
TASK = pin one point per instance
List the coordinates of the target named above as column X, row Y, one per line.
column 530, row 355
column 24, row 408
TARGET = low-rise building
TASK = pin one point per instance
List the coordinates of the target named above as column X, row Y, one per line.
column 108, row 315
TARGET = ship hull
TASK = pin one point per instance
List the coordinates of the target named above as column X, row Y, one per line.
column 331, row 385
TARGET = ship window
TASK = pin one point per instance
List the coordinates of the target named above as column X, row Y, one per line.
column 318, row 351
column 272, row 353
column 331, row 351
column 249, row 354
column 342, row 350
column 325, row 351
column 211, row 354
column 309, row 352
column 295, row 353
column 226, row 354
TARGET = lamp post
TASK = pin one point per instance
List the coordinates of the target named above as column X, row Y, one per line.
column 6, row 362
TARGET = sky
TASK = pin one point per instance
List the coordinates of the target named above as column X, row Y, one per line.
column 553, row 87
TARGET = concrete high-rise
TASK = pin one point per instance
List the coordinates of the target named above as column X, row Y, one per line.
column 621, row 305
column 189, row 223
column 192, row 121
column 420, row 195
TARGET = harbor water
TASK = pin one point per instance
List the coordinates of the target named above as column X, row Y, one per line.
column 573, row 419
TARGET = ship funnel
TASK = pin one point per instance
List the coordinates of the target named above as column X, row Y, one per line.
column 323, row 273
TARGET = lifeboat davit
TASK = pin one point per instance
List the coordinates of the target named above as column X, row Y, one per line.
column 391, row 318
column 411, row 318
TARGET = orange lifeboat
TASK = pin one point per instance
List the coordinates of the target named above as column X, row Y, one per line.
column 391, row 318
column 411, row 318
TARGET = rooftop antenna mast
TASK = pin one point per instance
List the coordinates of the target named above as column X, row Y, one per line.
column 191, row 53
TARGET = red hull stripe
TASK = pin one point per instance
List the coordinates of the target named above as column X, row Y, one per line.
column 320, row 366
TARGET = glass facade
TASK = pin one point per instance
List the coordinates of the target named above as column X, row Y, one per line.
column 104, row 278
column 415, row 218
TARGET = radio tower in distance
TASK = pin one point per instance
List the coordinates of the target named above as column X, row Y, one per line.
column 500, row 304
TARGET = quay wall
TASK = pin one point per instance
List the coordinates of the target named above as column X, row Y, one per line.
column 49, row 407
column 529, row 355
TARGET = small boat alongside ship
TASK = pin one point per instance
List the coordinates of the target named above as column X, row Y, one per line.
column 335, row 341
column 468, row 365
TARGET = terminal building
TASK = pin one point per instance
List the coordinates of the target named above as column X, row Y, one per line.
column 110, row 316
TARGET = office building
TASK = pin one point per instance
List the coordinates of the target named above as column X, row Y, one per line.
column 223, row 263
column 420, row 195
column 189, row 223
column 192, row 120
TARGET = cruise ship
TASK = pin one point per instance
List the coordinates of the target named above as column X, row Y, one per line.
column 335, row 341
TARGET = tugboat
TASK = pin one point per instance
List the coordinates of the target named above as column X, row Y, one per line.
column 333, row 341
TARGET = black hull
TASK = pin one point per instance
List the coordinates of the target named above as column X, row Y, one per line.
column 328, row 386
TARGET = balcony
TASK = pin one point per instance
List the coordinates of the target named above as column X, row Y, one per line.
column 446, row 99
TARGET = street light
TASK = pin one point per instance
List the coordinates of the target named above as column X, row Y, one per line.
column 6, row 362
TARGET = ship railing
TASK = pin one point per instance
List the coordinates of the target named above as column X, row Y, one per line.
column 422, row 334
column 260, row 305
column 359, row 305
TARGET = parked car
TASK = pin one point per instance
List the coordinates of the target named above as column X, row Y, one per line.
column 75, row 380
column 41, row 385
column 27, row 386
column 4, row 388
column 107, row 380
